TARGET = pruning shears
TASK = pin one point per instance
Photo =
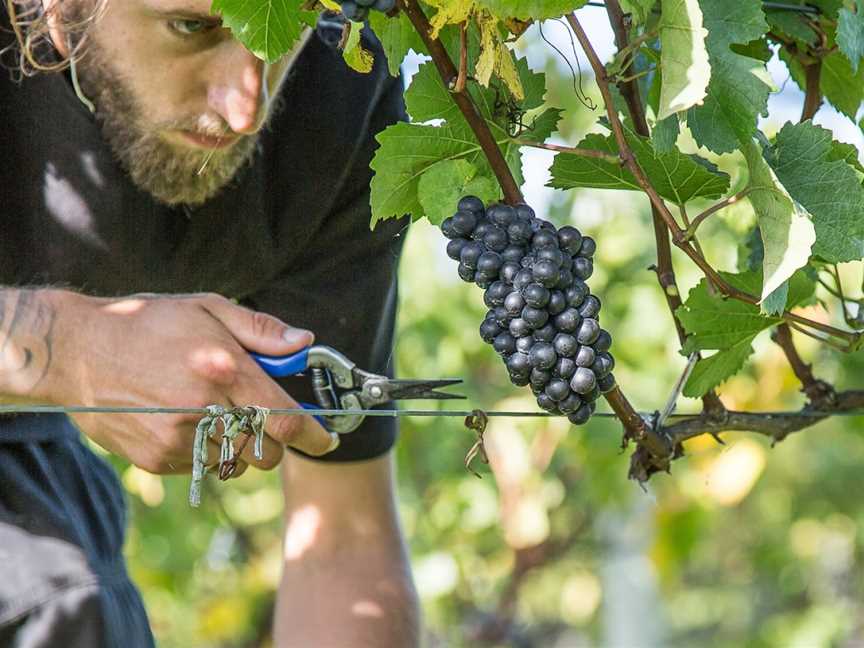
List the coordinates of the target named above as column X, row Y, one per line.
column 358, row 389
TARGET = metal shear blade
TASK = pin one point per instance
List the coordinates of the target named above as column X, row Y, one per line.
column 411, row 389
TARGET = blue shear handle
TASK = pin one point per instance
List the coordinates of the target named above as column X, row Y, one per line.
column 281, row 366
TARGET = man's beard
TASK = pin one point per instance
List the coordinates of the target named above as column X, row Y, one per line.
column 170, row 173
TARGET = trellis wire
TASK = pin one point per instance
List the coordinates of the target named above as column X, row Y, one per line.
column 393, row 413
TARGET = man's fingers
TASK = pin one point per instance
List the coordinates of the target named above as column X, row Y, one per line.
column 257, row 331
column 303, row 433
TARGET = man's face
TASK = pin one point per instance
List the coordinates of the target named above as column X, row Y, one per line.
column 179, row 100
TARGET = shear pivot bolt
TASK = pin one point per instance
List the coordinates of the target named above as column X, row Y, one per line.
column 376, row 392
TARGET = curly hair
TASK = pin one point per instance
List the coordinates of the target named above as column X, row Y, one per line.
column 31, row 22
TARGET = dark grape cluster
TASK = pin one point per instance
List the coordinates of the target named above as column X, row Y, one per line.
column 359, row 9
column 542, row 318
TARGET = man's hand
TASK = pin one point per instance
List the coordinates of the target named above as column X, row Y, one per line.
column 174, row 351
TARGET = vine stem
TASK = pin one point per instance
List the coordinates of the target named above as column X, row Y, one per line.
column 449, row 75
column 664, row 268
column 633, row 423
column 697, row 221
column 678, row 234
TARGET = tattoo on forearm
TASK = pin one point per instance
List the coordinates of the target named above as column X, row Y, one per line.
column 26, row 326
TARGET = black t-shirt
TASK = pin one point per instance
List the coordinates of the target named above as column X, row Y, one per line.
column 289, row 236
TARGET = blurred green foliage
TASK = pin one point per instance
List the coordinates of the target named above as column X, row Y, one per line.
column 742, row 545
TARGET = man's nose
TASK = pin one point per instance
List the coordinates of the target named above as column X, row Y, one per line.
column 235, row 94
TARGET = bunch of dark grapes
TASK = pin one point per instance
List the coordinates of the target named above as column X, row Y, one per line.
column 542, row 318
column 359, row 9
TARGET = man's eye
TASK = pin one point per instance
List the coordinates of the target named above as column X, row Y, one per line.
column 188, row 27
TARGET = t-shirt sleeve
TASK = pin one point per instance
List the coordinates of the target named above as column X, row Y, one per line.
column 343, row 285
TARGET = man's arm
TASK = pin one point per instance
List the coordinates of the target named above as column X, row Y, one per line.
column 346, row 579
column 61, row 347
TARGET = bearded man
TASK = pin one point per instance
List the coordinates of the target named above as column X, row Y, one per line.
column 167, row 204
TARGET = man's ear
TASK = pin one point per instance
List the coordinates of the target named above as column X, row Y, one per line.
column 58, row 37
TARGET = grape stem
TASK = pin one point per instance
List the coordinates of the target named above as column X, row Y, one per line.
column 678, row 234
column 463, row 100
column 731, row 200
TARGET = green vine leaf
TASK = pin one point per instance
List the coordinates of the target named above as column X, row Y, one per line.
column 739, row 87
column 676, row 177
column 397, row 36
column 355, row 55
column 729, row 326
column 804, row 160
column 843, row 88
column 683, row 57
column 268, row 28
column 444, row 183
column 850, row 33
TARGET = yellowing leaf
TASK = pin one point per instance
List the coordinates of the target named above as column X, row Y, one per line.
column 495, row 57
column 355, row 56
column 449, row 12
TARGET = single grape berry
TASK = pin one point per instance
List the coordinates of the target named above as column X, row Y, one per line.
column 568, row 320
column 489, row 263
column 505, row 344
column 546, row 333
column 543, row 355
column 525, row 211
column 520, row 380
column 522, row 278
column 592, row 396
column 546, row 402
column 545, row 272
column 472, row 204
column 454, row 248
column 583, row 268
column 590, row 308
column 583, row 380
column 466, row 273
column 514, row 303
column 489, row 330
column 557, row 302
column 570, row 404
column 606, row 383
column 448, row 229
column 536, row 295
column 527, row 261
column 603, row 341
column 482, row 229
column 552, row 254
column 566, row 346
column 540, row 377
column 585, row 356
column 519, row 232
column 565, row 279
column 589, row 329
column 513, row 253
column 484, row 280
column 564, row 368
column 508, row 271
column 501, row 214
column 524, row 344
column 502, row 317
column 464, row 222
column 385, row 6
column 536, row 317
column 569, row 239
column 558, row 389
column 470, row 254
column 576, row 294
column 603, row 365
column 520, row 328
column 580, row 416
column 588, row 247
column 518, row 364
column 544, row 238
column 351, row 11
column 496, row 293
column 495, row 239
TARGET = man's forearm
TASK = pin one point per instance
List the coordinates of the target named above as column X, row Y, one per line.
column 27, row 343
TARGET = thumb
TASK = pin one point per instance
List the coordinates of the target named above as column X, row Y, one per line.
column 257, row 331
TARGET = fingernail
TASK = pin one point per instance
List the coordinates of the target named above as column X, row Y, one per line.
column 334, row 442
column 297, row 336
